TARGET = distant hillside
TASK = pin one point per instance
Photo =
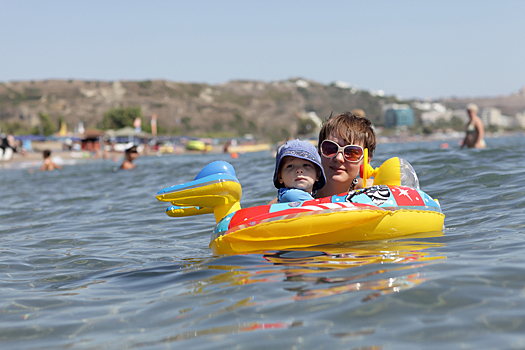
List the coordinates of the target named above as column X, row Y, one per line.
column 509, row 105
column 267, row 110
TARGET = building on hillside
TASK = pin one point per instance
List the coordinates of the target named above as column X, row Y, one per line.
column 520, row 118
column 398, row 115
column 491, row 116
column 461, row 114
column 430, row 106
column 432, row 117
column 434, row 112
column 508, row 122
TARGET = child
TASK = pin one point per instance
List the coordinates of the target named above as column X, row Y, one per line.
column 48, row 163
column 130, row 155
column 298, row 172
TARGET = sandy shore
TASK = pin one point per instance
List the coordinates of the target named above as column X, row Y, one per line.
column 35, row 158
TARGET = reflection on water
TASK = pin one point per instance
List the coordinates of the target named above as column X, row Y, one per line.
column 334, row 258
column 316, row 265
column 90, row 261
column 317, row 273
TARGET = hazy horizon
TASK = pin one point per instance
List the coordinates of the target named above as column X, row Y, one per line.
column 428, row 49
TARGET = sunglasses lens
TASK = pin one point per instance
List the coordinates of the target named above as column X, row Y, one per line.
column 353, row 153
column 329, row 149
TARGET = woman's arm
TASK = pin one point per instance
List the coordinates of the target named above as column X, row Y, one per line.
column 481, row 131
column 464, row 143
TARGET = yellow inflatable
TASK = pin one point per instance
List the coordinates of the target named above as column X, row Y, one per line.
column 393, row 207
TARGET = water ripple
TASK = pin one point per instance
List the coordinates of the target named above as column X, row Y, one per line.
column 90, row 260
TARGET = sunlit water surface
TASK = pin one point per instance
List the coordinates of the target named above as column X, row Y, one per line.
column 89, row 260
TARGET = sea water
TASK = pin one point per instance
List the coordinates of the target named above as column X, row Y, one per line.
column 89, row 260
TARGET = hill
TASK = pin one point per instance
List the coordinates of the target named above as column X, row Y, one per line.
column 509, row 105
column 268, row 110
column 265, row 109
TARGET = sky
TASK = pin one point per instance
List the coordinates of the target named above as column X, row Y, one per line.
column 425, row 49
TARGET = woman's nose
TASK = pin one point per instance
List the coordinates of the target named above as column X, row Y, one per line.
column 340, row 157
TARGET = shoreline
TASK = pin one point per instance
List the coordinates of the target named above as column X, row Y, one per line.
column 34, row 159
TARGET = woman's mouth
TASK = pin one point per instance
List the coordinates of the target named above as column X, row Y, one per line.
column 338, row 170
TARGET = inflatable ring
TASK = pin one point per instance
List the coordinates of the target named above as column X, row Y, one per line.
column 384, row 211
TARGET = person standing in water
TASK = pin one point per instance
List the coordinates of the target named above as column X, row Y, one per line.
column 475, row 132
column 49, row 165
column 130, row 155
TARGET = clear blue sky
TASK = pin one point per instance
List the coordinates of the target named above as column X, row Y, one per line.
column 423, row 48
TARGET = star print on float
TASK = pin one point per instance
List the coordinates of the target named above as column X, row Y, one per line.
column 407, row 196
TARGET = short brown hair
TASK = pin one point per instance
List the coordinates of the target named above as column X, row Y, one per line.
column 352, row 129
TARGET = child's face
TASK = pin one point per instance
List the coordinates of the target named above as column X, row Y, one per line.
column 131, row 156
column 298, row 173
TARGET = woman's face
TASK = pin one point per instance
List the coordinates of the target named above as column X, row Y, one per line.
column 337, row 169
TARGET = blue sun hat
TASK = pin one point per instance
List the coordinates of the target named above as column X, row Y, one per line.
column 298, row 149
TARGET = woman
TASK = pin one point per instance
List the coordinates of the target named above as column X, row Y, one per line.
column 341, row 142
column 475, row 132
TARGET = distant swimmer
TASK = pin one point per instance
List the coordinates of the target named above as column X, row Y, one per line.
column 130, row 155
column 475, row 132
column 48, row 163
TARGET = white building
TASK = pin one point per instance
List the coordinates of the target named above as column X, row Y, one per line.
column 430, row 106
column 520, row 119
column 461, row 114
column 342, row 84
column 434, row 111
column 431, row 117
column 508, row 121
column 302, row 83
column 491, row 116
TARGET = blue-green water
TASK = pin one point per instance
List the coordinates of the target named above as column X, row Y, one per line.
column 89, row 260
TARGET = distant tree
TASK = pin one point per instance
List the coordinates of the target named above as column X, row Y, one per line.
column 427, row 130
column 457, row 123
column 16, row 128
column 240, row 125
column 187, row 123
column 441, row 123
column 47, row 127
column 117, row 118
column 304, row 126
column 492, row 128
